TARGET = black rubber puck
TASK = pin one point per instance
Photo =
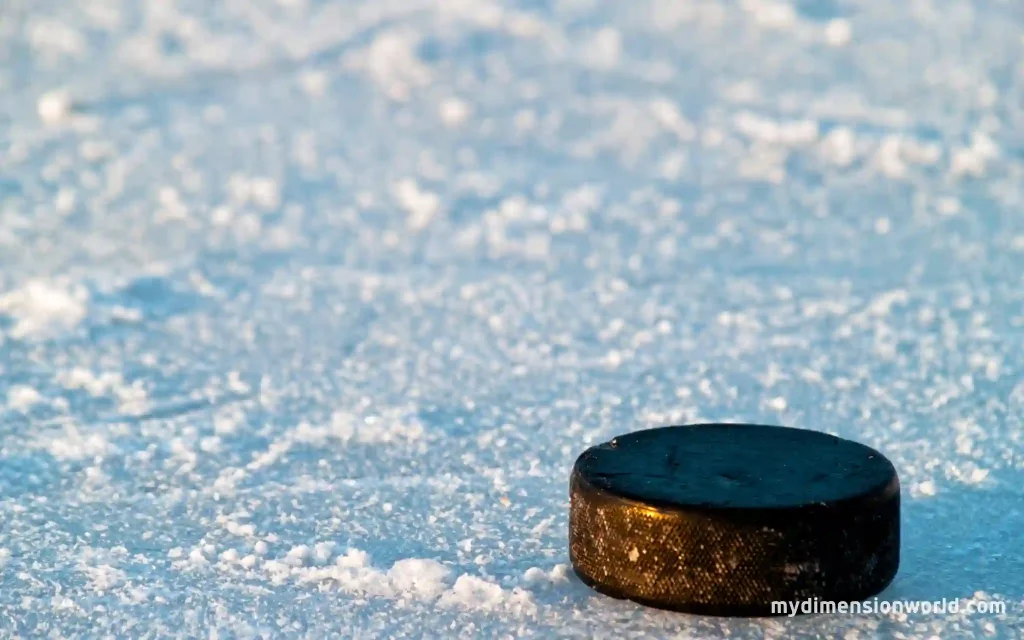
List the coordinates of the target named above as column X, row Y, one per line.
column 725, row 519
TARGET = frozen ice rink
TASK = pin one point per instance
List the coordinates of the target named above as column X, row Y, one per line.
column 307, row 308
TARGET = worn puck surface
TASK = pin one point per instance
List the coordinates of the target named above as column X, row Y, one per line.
column 724, row 519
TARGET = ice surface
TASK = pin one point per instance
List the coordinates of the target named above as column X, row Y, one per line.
column 307, row 307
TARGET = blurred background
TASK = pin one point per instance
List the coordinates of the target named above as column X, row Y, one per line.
column 307, row 307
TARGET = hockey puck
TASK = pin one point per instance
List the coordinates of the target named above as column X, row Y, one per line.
column 725, row 519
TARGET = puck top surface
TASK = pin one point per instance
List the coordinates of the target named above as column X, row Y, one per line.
column 735, row 466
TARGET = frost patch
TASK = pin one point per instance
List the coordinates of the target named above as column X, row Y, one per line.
column 603, row 49
column 413, row 578
column 883, row 303
column 104, row 577
column 472, row 592
column 392, row 63
column 537, row 577
column 72, row 444
column 389, row 426
column 838, row 32
column 771, row 15
column 799, row 133
column 132, row 398
column 54, row 107
column 421, row 205
column 420, row 579
column 923, row 489
column 22, row 398
column 454, row 112
column 44, row 309
column 54, row 39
